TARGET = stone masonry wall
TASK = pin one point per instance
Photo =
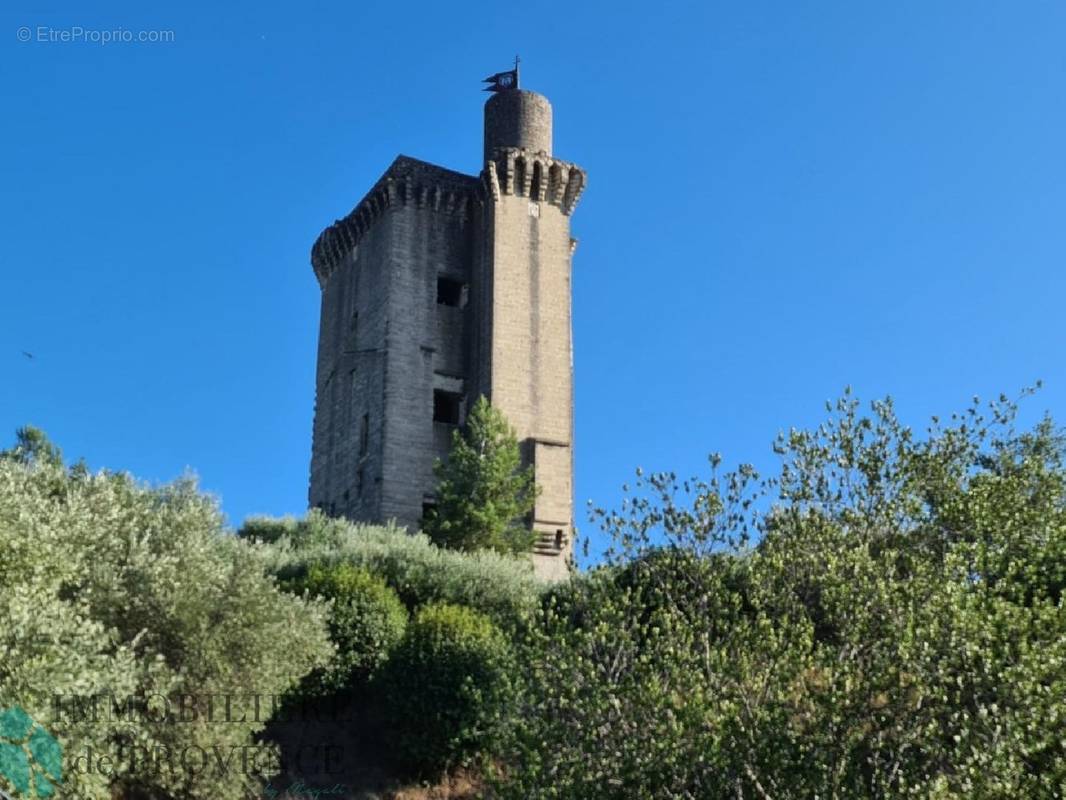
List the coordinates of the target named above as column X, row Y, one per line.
column 385, row 344
column 346, row 466
column 425, row 346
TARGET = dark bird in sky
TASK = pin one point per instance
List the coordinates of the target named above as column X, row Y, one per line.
column 28, row 355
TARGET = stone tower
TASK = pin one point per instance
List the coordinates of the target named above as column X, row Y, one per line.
column 439, row 287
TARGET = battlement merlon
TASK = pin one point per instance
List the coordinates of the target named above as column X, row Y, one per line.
column 541, row 178
column 407, row 182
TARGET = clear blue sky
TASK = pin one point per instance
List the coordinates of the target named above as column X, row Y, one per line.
column 783, row 198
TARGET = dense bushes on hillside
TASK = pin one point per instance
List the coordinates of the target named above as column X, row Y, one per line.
column 502, row 587
column 884, row 618
column 443, row 693
column 115, row 590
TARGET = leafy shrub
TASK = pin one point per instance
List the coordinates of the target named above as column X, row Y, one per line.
column 366, row 622
column 447, row 688
column 112, row 589
column 502, row 587
column 267, row 530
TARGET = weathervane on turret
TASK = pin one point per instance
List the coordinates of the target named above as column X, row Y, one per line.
column 502, row 81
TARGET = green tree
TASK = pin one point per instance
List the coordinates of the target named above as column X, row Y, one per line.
column 32, row 446
column 484, row 495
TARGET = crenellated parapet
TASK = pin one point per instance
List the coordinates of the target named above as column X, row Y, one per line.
column 538, row 176
column 408, row 182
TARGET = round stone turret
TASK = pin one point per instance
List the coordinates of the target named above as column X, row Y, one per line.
column 518, row 118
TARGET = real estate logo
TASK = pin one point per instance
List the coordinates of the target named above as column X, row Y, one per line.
column 31, row 760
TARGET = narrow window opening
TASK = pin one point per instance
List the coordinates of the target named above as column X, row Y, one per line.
column 520, row 176
column 352, row 343
column 359, row 483
column 534, row 191
column 559, row 539
column 446, row 406
column 364, row 435
column 449, row 292
column 353, row 394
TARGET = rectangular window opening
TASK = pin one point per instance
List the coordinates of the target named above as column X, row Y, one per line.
column 449, row 292
column 446, row 406
column 364, row 435
column 428, row 507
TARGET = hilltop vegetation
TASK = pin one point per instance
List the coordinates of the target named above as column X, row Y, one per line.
column 120, row 593
column 883, row 617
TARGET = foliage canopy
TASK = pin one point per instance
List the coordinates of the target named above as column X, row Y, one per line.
column 117, row 595
column 883, row 618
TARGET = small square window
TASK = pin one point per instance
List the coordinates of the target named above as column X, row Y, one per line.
column 446, row 406
column 449, row 292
